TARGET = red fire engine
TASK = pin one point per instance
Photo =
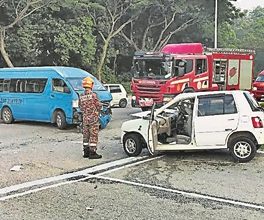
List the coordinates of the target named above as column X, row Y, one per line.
column 159, row 76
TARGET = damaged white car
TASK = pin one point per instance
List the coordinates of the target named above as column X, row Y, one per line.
column 199, row 121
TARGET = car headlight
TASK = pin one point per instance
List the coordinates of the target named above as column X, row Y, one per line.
column 75, row 103
column 254, row 88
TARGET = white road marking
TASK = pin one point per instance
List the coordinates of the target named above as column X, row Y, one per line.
column 98, row 168
column 136, row 160
column 88, row 176
column 194, row 195
column 260, row 151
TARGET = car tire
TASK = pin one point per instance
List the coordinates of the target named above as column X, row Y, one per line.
column 122, row 103
column 7, row 115
column 60, row 120
column 242, row 149
column 132, row 145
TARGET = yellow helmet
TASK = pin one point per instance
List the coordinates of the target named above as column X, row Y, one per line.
column 87, row 82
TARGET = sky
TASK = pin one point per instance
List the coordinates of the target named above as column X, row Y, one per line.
column 248, row 4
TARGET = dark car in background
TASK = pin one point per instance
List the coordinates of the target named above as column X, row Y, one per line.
column 258, row 87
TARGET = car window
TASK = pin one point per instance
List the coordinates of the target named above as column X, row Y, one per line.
column 252, row 102
column 218, row 105
column 260, row 78
column 115, row 89
column 58, row 85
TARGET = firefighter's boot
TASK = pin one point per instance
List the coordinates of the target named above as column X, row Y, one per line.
column 94, row 155
column 86, row 151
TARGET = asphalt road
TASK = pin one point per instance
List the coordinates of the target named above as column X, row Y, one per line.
column 53, row 181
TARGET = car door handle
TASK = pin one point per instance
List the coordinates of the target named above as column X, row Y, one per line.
column 52, row 96
column 228, row 129
column 231, row 119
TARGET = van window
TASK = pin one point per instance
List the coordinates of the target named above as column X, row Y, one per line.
column 216, row 105
column 27, row 85
column 58, row 85
column 115, row 89
column 23, row 85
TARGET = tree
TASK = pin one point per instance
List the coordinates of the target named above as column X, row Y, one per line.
column 59, row 34
column 110, row 18
column 164, row 21
column 12, row 12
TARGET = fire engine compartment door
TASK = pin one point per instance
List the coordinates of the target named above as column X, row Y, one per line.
column 233, row 70
column 246, row 68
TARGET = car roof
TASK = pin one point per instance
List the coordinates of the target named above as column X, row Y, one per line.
column 195, row 94
column 183, row 96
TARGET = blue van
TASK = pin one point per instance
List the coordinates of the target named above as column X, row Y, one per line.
column 47, row 94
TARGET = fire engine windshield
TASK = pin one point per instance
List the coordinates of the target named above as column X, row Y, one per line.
column 153, row 68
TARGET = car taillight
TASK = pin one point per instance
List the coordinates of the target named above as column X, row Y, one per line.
column 256, row 122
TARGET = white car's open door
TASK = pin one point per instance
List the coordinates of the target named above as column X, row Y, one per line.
column 152, row 133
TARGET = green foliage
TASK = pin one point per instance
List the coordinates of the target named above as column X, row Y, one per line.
column 77, row 33
column 75, row 40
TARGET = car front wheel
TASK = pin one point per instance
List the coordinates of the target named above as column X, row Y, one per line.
column 7, row 115
column 122, row 103
column 242, row 149
column 60, row 120
column 132, row 145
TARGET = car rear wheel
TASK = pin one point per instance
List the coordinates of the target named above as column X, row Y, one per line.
column 122, row 103
column 7, row 115
column 60, row 120
column 132, row 145
column 242, row 149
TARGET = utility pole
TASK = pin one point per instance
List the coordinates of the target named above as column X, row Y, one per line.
column 216, row 12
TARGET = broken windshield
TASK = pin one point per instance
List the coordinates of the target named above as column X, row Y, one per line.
column 153, row 68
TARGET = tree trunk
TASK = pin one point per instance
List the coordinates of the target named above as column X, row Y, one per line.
column 2, row 49
column 102, row 58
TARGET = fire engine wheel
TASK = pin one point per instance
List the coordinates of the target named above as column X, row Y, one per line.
column 60, row 120
column 122, row 103
column 242, row 149
column 7, row 115
column 132, row 145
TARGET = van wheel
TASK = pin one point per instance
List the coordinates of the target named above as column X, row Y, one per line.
column 132, row 145
column 60, row 120
column 122, row 103
column 242, row 149
column 7, row 115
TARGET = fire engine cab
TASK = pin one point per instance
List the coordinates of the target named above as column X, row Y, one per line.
column 189, row 67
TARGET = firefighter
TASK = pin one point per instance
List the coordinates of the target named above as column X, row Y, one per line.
column 90, row 107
